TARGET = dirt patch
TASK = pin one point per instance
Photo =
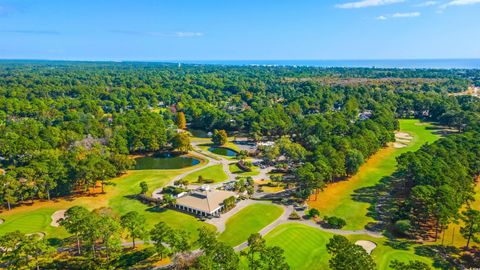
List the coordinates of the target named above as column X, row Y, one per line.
column 56, row 217
column 369, row 246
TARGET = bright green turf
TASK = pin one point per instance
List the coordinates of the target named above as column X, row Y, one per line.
column 233, row 167
column 305, row 247
column 37, row 218
column 249, row 220
column 354, row 212
column 214, row 172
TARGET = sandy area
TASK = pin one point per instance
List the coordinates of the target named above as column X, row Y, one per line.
column 399, row 145
column 56, row 218
column 369, row 246
column 403, row 135
column 402, row 139
column 40, row 234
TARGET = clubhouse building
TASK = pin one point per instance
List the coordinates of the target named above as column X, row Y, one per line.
column 204, row 202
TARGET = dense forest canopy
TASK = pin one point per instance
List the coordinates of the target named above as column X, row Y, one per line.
column 66, row 125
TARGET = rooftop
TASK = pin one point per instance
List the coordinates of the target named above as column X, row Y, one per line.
column 205, row 200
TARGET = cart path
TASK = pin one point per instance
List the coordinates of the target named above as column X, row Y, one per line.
column 263, row 173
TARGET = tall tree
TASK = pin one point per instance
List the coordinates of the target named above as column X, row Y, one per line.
column 219, row 137
column 159, row 235
column 181, row 142
column 353, row 160
column 471, row 228
column 348, row 256
column 134, row 223
column 256, row 247
column 74, row 223
column 181, row 121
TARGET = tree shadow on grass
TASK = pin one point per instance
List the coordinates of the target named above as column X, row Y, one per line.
column 443, row 256
column 55, row 242
column 136, row 258
column 157, row 209
column 382, row 202
column 399, row 244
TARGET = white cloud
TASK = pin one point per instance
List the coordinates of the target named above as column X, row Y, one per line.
column 188, row 34
column 427, row 4
column 460, row 3
column 160, row 34
column 368, row 3
column 406, row 15
column 399, row 15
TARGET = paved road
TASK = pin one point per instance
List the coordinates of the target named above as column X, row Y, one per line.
column 211, row 162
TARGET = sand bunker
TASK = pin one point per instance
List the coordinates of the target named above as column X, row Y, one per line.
column 399, row 145
column 56, row 218
column 403, row 135
column 41, row 235
column 369, row 246
column 402, row 139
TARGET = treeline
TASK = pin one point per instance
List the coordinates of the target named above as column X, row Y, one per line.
column 66, row 126
column 434, row 184
column 74, row 153
column 96, row 243
column 438, row 180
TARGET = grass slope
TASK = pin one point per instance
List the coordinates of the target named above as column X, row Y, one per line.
column 233, row 167
column 336, row 199
column 214, row 172
column 249, row 220
column 305, row 247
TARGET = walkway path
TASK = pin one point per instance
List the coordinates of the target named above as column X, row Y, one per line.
column 211, row 162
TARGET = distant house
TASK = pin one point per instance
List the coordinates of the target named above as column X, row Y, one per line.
column 204, row 202
column 365, row 115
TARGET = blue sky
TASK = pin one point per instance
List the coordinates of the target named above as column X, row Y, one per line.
column 239, row 29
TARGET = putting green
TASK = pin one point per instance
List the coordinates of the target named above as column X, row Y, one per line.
column 336, row 199
column 305, row 247
column 249, row 220
column 214, row 172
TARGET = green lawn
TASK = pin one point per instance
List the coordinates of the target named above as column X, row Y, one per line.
column 336, row 199
column 249, row 220
column 236, row 170
column 37, row 217
column 214, row 172
column 305, row 247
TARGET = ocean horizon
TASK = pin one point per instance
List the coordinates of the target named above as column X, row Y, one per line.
column 473, row 63
column 382, row 63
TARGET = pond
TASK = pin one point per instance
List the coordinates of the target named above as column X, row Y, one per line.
column 165, row 162
column 223, row 151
